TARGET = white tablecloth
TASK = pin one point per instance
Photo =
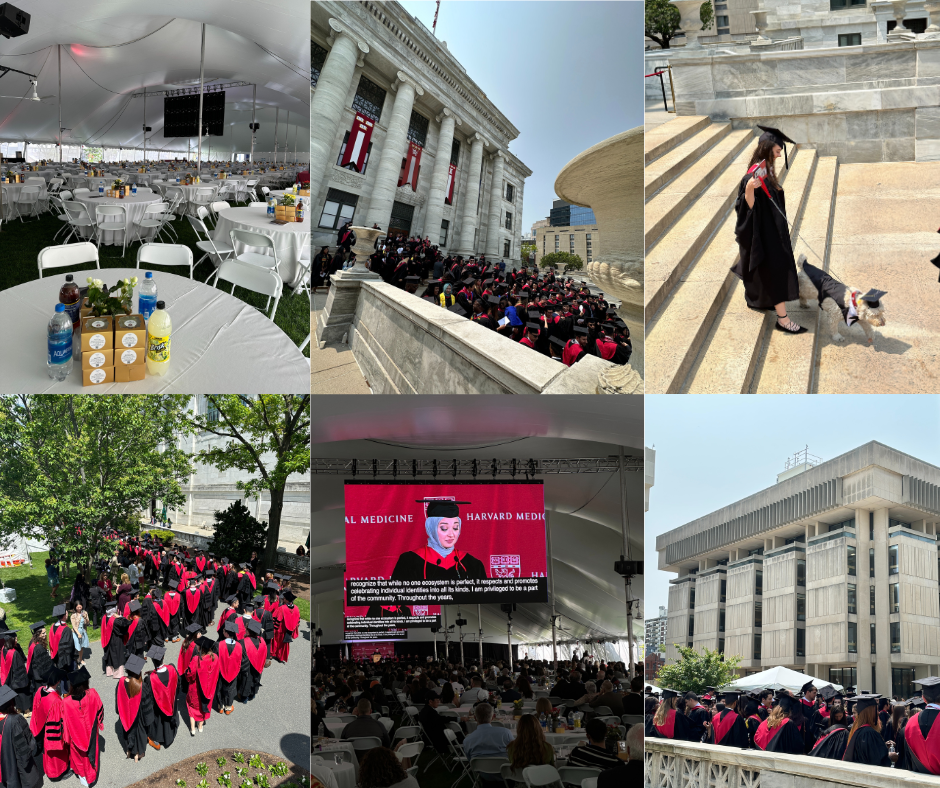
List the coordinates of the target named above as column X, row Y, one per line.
column 290, row 240
column 219, row 343
column 134, row 206
column 11, row 192
column 344, row 773
column 326, row 747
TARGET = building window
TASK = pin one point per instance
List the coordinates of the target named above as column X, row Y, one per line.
column 871, row 562
column 758, row 615
column 317, row 59
column 507, row 248
column 418, row 128
column 849, row 39
column 801, row 607
column 894, row 598
column 400, row 220
column 508, row 220
column 847, row 677
column 556, row 243
column 838, row 5
column 510, row 192
column 691, row 626
column 757, row 645
column 853, row 605
column 892, row 523
column 871, row 600
column 872, row 634
column 455, row 153
column 445, row 225
column 338, row 209
column 893, row 559
column 759, row 582
column 871, row 526
column 691, row 599
column 351, row 165
column 721, row 645
column 724, row 26
column 850, row 560
column 801, row 571
column 902, row 679
column 724, row 585
column 895, row 637
column 721, row 620
column 801, row 642
column 853, row 638
column 369, row 99
column 212, row 410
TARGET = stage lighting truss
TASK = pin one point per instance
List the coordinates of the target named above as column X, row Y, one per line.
column 207, row 88
column 432, row 468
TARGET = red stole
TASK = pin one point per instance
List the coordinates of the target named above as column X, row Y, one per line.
column 156, row 559
column 230, row 662
column 29, row 658
column 201, row 563
column 571, row 353
column 55, row 636
column 257, row 653
column 127, row 706
column 723, row 724
column 527, row 342
column 225, row 617
column 271, row 604
column 207, row 668
column 164, row 694
column 130, row 631
column 186, row 655
column 162, row 611
column 927, row 751
column 107, row 627
column 253, row 581
column 668, row 728
column 291, row 618
column 192, row 599
column 172, row 602
column 6, row 662
column 606, row 349
column 765, row 735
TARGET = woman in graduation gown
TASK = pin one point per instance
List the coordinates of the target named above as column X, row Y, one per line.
column 47, row 726
column 188, row 650
column 233, row 663
column 13, row 672
column 752, row 719
column 440, row 559
column 83, row 715
column 138, row 635
column 246, row 583
column 780, row 732
column 727, row 726
column 61, row 645
column 256, row 652
column 18, row 749
column 171, row 605
column 134, row 709
column 266, row 619
column 832, row 740
column 286, row 626
column 113, row 635
column 865, row 744
column 202, row 677
column 38, row 660
column 231, row 612
column 160, row 685
column 667, row 722
column 192, row 604
column 766, row 264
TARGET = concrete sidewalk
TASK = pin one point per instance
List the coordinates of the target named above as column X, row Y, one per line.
column 333, row 370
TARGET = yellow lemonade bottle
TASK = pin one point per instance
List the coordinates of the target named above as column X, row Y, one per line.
column 159, row 328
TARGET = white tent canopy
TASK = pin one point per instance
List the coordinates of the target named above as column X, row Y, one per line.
column 584, row 510
column 113, row 49
column 777, row 678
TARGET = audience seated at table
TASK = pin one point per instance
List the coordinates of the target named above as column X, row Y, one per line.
column 595, row 753
column 365, row 724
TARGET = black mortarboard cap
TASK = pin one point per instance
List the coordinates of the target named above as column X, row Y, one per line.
column 731, row 696
column 412, row 279
column 135, row 664
column 828, row 692
column 109, row 605
column 457, row 309
column 779, row 138
column 862, row 702
column 493, row 300
column 533, row 326
column 930, row 681
column 557, row 341
column 272, row 586
column 534, row 313
column 192, row 629
column 580, row 330
column 6, row 695
column 204, row 643
column 58, row 610
column 289, row 596
column 37, row 625
column 668, row 693
column 872, row 297
column 174, row 584
column 254, row 627
column 210, row 572
column 917, row 702
column 488, row 281
column 54, row 675
column 134, row 607
column 231, row 626
column 524, row 294
column 231, row 598
column 785, row 700
column 270, row 572
column 437, row 508
column 806, row 687
column 80, row 676
column 156, row 652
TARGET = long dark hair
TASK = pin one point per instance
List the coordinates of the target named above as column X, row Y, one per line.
column 529, row 745
column 765, row 152
column 380, row 768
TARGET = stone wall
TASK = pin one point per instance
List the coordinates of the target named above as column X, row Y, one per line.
column 405, row 345
column 863, row 104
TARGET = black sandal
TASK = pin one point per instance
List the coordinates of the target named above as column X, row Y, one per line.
column 790, row 328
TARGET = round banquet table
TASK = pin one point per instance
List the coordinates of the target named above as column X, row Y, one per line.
column 11, row 191
column 344, row 773
column 219, row 343
column 134, row 206
column 290, row 239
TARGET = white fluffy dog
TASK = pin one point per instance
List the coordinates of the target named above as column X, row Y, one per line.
column 843, row 305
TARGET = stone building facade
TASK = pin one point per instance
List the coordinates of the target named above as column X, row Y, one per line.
column 414, row 98
column 832, row 571
column 583, row 241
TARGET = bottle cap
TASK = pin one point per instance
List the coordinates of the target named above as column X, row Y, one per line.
column 60, row 307
column 68, row 277
column 149, row 275
column 161, row 304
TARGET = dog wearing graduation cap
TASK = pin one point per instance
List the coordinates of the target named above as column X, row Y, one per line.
column 844, row 305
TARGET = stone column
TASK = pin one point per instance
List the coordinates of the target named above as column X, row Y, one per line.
column 469, row 221
column 396, row 141
column 329, row 99
column 438, row 190
column 496, row 204
column 882, row 617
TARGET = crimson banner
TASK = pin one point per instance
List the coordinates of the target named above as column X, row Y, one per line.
column 358, row 144
column 451, row 178
column 410, row 166
column 413, row 544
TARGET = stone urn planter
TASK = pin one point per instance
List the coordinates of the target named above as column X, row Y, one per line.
column 608, row 178
column 335, row 321
column 691, row 21
column 364, row 246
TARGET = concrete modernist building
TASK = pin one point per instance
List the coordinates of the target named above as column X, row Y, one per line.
column 832, row 571
column 656, row 631
column 413, row 100
column 583, row 241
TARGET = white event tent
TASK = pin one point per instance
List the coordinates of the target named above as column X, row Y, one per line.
column 777, row 678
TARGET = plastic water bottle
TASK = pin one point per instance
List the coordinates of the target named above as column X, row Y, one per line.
column 271, row 204
column 101, row 190
column 159, row 329
column 147, row 296
column 134, row 188
column 59, row 358
column 571, row 721
column 321, row 731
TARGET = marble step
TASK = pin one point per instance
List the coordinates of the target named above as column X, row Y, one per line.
column 663, row 210
column 664, row 138
column 731, row 351
column 676, row 335
column 658, row 173
column 669, row 257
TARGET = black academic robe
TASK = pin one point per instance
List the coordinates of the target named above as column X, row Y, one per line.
column 245, row 590
column 924, row 756
column 154, row 624
column 430, row 566
column 39, row 665
column 194, row 615
column 19, row 766
column 752, row 723
column 733, row 736
column 267, row 626
column 766, row 264
column 681, row 728
column 936, row 261
column 133, row 726
column 173, row 627
column 230, row 652
column 66, row 646
column 698, row 716
column 257, row 652
column 138, row 640
column 867, row 747
column 788, row 739
column 17, row 678
column 831, row 744
column 163, row 725
column 114, row 655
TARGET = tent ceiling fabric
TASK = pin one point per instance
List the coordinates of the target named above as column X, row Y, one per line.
column 167, row 55
column 584, row 509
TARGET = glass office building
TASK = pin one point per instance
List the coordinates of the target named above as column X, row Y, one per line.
column 564, row 214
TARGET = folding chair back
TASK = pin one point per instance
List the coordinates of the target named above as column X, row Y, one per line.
column 545, row 776
column 603, row 711
column 411, row 750
column 407, row 732
column 365, row 743
column 575, row 774
column 589, row 782
column 165, row 254
column 488, row 766
column 62, row 256
column 510, row 777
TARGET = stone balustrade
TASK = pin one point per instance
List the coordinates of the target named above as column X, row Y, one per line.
column 672, row 764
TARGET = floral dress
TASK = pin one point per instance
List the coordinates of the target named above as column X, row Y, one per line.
column 79, row 635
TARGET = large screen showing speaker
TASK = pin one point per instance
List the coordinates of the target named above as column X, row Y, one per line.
column 181, row 115
column 414, row 544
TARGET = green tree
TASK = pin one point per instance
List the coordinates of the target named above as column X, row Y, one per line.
column 237, row 534
column 694, row 672
column 662, row 21
column 526, row 251
column 71, row 467
column 568, row 261
column 268, row 436
column 707, row 15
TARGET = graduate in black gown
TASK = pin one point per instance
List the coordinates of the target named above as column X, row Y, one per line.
column 19, row 752
column 440, row 559
column 832, row 740
column 780, row 732
column 727, row 727
column 765, row 700
column 38, row 661
column 264, row 617
column 61, row 645
column 160, row 686
column 151, row 605
column 752, row 719
column 814, row 721
column 668, row 722
column 233, row 664
column 256, row 651
column 245, row 590
column 697, row 714
column 134, row 709
column 172, row 605
column 865, row 744
column 13, row 670
column 922, row 732
column 766, row 264
column 138, row 635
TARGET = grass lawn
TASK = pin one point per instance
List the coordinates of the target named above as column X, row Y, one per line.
column 21, row 242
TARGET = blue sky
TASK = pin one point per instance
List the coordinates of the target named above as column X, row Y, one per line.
column 714, row 450
column 566, row 74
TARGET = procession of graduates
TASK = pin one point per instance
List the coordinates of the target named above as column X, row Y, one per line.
column 559, row 319
column 50, row 718
column 823, row 723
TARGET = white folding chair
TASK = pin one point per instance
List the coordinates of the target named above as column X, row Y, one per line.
column 256, row 241
column 510, row 777
column 589, row 782
column 112, row 218
column 407, row 732
column 632, row 719
column 56, row 200
column 545, row 776
column 362, row 744
column 487, row 766
column 576, row 774
column 604, row 711
column 28, row 195
column 202, row 197
column 411, row 714
column 388, row 722
column 154, row 217
column 228, row 191
column 248, row 190
column 214, row 250
column 458, row 757
column 79, row 220
column 55, row 185
column 412, row 751
column 258, row 280
column 214, row 208
column 144, row 190
column 609, row 719
column 62, row 256
column 166, row 254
